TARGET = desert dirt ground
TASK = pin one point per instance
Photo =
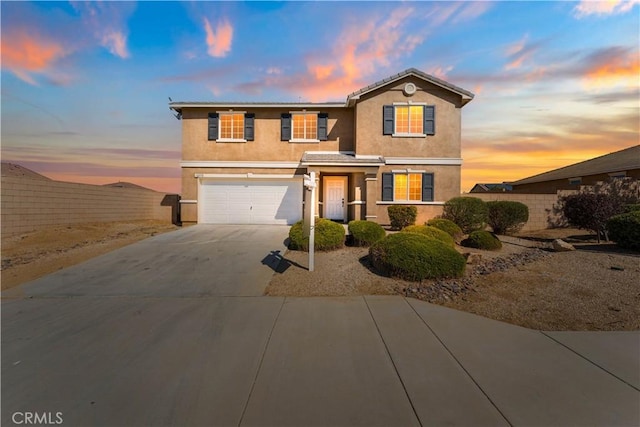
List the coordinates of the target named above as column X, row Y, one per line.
column 35, row 254
column 593, row 288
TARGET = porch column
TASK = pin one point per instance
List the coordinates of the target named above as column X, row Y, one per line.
column 371, row 183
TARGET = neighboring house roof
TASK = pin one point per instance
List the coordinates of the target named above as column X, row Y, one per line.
column 466, row 95
column 310, row 158
column 121, row 184
column 623, row 160
column 488, row 188
column 12, row 169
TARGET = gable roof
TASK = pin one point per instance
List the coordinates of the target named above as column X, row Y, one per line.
column 465, row 94
column 15, row 170
column 619, row 161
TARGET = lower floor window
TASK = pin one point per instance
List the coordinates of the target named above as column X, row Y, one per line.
column 407, row 187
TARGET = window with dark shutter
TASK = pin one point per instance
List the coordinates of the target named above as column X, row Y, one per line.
column 213, row 126
column 285, row 127
column 427, row 187
column 323, row 126
column 387, row 187
column 429, row 119
column 248, row 126
column 387, row 119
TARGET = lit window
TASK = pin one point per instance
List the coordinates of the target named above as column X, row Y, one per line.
column 407, row 186
column 409, row 120
column 305, row 125
column 232, row 126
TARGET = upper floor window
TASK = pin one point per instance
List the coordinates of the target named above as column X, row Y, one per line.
column 231, row 126
column 408, row 120
column 304, row 126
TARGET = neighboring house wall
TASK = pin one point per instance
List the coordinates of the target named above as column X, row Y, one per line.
column 541, row 207
column 29, row 204
column 551, row 187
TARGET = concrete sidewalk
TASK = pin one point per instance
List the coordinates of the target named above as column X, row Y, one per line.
column 376, row 360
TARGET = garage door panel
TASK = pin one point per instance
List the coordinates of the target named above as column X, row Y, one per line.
column 250, row 201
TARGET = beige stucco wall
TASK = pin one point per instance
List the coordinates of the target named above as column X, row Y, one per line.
column 267, row 145
column 445, row 142
column 29, row 204
column 541, row 207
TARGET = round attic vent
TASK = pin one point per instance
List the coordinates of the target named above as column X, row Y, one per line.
column 409, row 89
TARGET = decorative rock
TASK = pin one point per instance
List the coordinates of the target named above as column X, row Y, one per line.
column 474, row 258
column 560, row 245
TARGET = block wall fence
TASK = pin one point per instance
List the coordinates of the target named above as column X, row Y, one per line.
column 541, row 207
column 29, row 204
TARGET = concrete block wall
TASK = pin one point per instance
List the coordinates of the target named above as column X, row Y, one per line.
column 28, row 204
column 541, row 207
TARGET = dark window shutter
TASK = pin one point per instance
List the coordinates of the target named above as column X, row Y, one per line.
column 323, row 126
column 387, row 119
column 430, row 119
column 387, row 187
column 285, row 127
column 213, row 126
column 248, row 126
column 427, row 187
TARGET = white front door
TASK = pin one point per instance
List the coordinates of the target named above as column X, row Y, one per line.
column 335, row 194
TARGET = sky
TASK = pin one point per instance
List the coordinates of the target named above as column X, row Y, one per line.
column 86, row 85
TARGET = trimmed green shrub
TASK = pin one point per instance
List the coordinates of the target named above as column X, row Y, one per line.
column 469, row 213
column 416, row 257
column 366, row 233
column 624, row 229
column 631, row 208
column 507, row 217
column 328, row 235
column 432, row 232
column 447, row 226
column 481, row 239
column 402, row 216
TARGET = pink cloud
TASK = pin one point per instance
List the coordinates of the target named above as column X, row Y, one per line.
column 25, row 53
column 218, row 40
column 609, row 7
column 107, row 22
column 116, row 43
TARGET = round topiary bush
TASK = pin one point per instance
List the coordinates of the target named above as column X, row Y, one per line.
column 507, row 217
column 624, row 229
column 447, row 226
column 328, row 235
column 482, row 240
column 469, row 213
column 401, row 216
column 412, row 256
column 432, row 232
column 366, row 233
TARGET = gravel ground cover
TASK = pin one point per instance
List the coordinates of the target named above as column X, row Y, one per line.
column 593, row 288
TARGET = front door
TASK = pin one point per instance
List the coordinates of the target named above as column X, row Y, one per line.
column 335, row 193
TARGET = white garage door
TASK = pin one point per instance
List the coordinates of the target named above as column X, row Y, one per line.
column 250, row 201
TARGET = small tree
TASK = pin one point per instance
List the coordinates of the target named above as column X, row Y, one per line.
column 507, row 217
column 590, row 211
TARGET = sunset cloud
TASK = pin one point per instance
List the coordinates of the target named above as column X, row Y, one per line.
column 26, row 53
column 614, row 66
column 218, row 40
column 107, row 22
column 608, row 7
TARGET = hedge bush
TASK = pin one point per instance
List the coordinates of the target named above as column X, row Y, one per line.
column 416, row 257
column 469, row 213
column 481, row 239
column 402, row 216
column 624, row 229
column 432, row 232
column 631, row 208
column 447, row 226
column 328, row 235
column 507, row 217
column 366, row 233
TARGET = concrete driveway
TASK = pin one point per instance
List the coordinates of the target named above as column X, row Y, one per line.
column 157, row 334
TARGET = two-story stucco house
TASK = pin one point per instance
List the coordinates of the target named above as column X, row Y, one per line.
column 396, row 141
